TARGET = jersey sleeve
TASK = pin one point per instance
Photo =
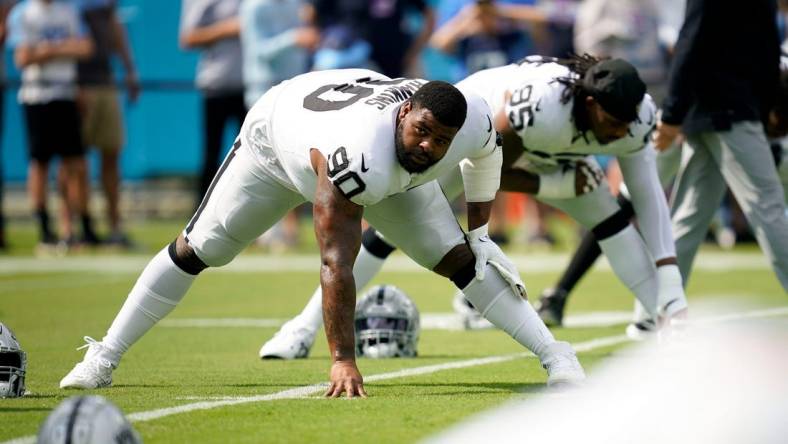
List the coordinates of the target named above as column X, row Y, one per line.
column 357, row 175
column 481, row 169
column 535, row 113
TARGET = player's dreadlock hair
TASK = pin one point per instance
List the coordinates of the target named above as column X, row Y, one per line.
column 444, row 101
column 575, row 86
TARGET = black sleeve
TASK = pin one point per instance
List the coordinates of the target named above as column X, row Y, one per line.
column 682, row 68
column 768, row 86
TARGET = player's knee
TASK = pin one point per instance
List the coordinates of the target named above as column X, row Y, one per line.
column 458, row 265
column 184, row 256
column 375, row 244
column 612, row 225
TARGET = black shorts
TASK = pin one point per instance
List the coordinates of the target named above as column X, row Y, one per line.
column 53, row 129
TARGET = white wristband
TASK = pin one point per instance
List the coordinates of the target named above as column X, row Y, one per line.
column 557, row 185
column 477, row 233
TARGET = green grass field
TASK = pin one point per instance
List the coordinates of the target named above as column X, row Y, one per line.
column 51, row 308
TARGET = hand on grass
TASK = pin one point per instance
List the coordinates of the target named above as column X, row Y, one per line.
column 346, row 378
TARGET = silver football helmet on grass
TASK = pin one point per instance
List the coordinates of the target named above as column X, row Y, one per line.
column 87, row 420
column 387, row 324
column 13, row 364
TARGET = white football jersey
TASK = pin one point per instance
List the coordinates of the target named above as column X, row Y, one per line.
column 545, row 124
column 350, row 116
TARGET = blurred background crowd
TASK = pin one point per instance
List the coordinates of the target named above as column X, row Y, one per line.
column 118, row 110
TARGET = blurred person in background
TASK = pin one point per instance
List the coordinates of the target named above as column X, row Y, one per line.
column 721, row 108
column 396, row 51
column 213, row 27
column 102, row 122
column 482, row 37
column 5, row 7
column 276, row 46
column 626, row 29
column 48, row 39
column 361, row 33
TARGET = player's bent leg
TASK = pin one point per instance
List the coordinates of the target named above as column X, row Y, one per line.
column 552, row 301
column 242, row 202
column 421, row 223
column 295, row 338
column 497, row 301
column 160, row 287
column 618, row 239
column 629, row 258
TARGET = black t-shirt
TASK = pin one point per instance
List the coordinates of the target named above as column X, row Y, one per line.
column 97, row 70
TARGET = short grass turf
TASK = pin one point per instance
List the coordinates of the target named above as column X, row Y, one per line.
column 50, row 313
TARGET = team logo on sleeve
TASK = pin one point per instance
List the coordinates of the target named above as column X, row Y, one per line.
column 364, row 168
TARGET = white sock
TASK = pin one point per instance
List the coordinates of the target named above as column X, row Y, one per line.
column 158, row 290
column 627, row 254
column 496, row 301
column 641, row 314
column 365, row 268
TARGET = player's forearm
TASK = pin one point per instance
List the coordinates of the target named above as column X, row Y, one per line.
column 338, row 232
column 478, row 214
column 339, row 301
column 339, row 244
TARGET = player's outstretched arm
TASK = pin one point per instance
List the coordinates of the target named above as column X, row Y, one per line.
column 338, row 233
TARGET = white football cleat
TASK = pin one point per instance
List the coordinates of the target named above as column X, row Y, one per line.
column 563, row 368
column 95, row 370
column 469, row 316
column 290, row 342
column 642, row 330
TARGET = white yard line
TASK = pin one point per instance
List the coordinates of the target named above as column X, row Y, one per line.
column 300, row 392
column 254, row 263
column 429, row 321
column 452, row 321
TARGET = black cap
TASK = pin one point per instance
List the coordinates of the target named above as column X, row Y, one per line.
column 616, row 85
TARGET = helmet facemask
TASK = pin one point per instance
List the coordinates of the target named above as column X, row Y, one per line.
column 13, row 363
column 386, row 324
column 384, row 337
